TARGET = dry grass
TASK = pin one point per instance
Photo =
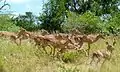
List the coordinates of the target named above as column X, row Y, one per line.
column 27, row 58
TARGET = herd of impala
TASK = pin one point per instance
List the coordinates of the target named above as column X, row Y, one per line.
column 61, row 42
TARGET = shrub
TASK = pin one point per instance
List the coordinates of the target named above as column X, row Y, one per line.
column 68, row 57
column 6, row 24
column 86, row 23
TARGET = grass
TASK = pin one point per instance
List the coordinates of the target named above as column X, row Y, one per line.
column 27, row 58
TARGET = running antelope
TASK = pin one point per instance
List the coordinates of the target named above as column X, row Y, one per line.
column 90, row 39
column 11, row 35
column 23, row 34
column 105, row 53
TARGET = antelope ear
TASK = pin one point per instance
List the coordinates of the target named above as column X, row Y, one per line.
column 22, row 28
column 101, row 36
column 114, row 43
column 106, row 43
column 80, row 38
column 67, row 36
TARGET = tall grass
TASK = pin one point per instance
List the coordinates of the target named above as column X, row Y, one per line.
column 27, row 58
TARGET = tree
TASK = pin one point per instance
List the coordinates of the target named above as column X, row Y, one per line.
column 99, row 7
column 26, row 21
column 79, row 6
column 54, row 13
column 113, row 26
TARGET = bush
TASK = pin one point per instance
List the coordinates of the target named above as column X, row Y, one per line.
column 113, row 26
column 6, row 24
column 68, row 57
column 86, row 23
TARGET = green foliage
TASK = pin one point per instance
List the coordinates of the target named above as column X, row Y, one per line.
column 26, row 21
column 69, row 57
column 53, row 15
column 87, row 16
column 6, row 24
column 113, row 25
column 86, row 23
column 89, row 23
column 98, row 7
column 79, row 6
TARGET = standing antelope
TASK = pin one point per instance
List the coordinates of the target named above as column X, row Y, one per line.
column 106, row 54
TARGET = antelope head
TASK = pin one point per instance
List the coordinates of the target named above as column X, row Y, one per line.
column 110, row 47
column 100, row 36
column 22, row 29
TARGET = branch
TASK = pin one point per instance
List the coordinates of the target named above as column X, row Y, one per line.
column 5, row 4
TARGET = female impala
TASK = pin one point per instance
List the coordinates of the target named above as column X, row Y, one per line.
column 106, row 54
column 90, row 39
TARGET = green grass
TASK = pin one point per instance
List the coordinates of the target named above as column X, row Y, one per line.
column 27, row 58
